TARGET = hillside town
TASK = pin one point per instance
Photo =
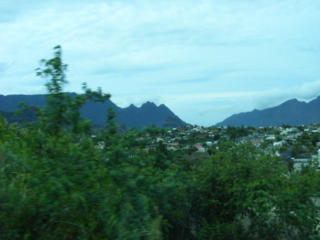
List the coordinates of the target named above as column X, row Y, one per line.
column 298, row 144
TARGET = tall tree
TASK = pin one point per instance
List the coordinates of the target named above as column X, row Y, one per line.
column 61, row 109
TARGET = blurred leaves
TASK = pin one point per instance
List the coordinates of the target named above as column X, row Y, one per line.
column 56, row 182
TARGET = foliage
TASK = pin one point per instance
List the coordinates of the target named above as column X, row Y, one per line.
column 282, row 149
column 57, row 183
column 62, row 110
column 236, row 132
column 249, row 194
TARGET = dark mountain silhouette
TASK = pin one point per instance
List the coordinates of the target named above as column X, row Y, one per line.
column 24, row 116
column 148, row 113
column 131, row 116
column 292, row 112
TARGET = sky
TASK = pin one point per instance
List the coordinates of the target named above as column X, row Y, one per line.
column 205, row 60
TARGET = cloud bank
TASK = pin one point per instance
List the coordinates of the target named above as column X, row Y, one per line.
column 270, row 98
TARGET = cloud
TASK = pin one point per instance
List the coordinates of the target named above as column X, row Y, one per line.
column 207, row 97
column 275, row 96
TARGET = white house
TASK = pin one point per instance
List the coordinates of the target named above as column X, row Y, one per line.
column 271, row 137
column 277, row 144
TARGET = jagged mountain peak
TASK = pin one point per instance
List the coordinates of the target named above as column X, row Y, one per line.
column 132, row 116
column 131, row 106
column 148, row 104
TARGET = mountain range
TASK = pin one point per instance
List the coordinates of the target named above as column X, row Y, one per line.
column 291, row 112
column 132, row 116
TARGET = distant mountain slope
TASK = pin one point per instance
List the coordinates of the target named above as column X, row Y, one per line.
column 292, row 112
column 29, row 116
column 174, row 122
column 131, row 116
column 147, row 113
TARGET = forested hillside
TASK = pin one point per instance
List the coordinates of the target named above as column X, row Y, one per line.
column 59, row 182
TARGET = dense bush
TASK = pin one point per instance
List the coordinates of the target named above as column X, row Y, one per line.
column 56, row 184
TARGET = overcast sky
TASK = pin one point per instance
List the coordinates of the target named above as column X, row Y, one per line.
column 205, row 60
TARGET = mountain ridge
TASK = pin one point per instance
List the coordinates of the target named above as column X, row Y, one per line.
column 291, row 112
column 148, row 113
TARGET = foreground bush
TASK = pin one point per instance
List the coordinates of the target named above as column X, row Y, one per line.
column 56, row 184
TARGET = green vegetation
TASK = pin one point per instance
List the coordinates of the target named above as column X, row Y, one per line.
column 57, row 182
column 235, row 132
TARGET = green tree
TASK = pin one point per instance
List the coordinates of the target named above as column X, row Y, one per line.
column 264, row 145
column 62, row 110
column 282, row 149
column 315, row 138
column 56, row 186
column 241, row 193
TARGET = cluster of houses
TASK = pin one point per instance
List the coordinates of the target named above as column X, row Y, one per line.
column 187, row 137
column 269, row 139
